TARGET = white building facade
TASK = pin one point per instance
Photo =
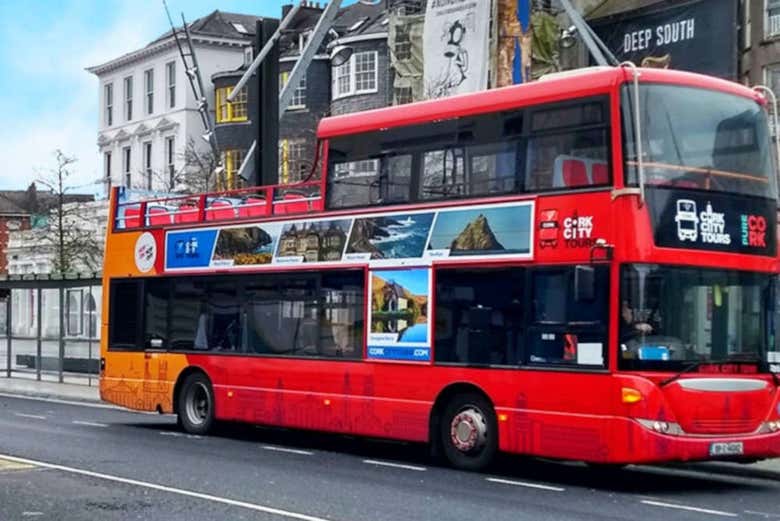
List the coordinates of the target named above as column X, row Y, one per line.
column 148, row 112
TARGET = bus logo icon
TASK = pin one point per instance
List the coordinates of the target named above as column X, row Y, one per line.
column 687, row 220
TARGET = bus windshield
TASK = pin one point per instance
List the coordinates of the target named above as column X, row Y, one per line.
column 671, row 316
column 700, row 139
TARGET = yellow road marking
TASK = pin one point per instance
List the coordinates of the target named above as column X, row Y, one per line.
column 6, row 465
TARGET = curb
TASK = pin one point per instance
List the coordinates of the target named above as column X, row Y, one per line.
column 49, row 395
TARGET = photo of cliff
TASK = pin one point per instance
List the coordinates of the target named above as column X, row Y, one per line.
column 247, row 245
column 496, row 230
column 391, row 236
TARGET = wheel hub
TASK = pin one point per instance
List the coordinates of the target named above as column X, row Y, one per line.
column 198, row 404
column 468, row 430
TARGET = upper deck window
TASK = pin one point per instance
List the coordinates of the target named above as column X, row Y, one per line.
column 551, row 147
column 700, row 139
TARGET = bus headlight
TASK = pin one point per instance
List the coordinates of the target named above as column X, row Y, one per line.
column 664, row 427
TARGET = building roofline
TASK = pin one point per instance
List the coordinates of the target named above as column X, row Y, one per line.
column 159, row 47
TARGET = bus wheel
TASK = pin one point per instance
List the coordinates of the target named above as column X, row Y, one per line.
column 469, row 433
column 196, row 404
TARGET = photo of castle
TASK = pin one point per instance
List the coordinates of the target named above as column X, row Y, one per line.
column 314, row 241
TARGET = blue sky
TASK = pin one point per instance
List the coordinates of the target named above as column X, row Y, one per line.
column 48, row 100
column 415, row 280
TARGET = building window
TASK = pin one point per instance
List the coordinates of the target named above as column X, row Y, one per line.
column 73, row 312
column 303, row 39
column 107, row 167
column 90, row 310
column 293, row 164
column 403, row 43
column 170, row 156
column 109, row 95
column 148, row 164
column 126, row 166
column 149, row 82
column 298, row 100
column 232, row 160
column 129, row 98
column 403, row 95
column 249, row 55
column 772, row 78
column 358, row 75
column 231, row 112
column 772, row 18
column 170, row 80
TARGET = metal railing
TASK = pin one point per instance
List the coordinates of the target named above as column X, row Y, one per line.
column 50, row 330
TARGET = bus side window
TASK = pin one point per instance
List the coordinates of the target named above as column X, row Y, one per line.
column 563, row 330
column 568, row 147
column 125, row 319
column 479, row 315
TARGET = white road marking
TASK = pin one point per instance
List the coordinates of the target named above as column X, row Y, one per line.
column 525, row 484
column 181, row 435
column 172, row 490
column 765, row 515
column 64, row 402
column 285, row 449
column 394, row 465
column 89, row 424
column 33, row 416
column 689, row 508
column 31, row 514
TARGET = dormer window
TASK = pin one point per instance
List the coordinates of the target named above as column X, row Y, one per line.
column 249, row 55
column 303, row 39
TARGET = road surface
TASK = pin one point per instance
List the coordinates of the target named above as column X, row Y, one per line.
column 67, row 461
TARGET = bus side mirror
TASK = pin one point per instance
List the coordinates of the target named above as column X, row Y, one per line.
column 584, row 283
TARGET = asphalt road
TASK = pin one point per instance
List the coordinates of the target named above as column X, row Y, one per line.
column 74, row 462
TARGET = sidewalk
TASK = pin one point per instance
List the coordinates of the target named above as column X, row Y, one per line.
column 34, row 388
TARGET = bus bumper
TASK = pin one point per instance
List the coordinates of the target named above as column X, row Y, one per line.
column 643, row 445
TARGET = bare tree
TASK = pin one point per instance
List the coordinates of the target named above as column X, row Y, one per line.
column 69, row 233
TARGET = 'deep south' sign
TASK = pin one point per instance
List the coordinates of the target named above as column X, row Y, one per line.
column 697, row 36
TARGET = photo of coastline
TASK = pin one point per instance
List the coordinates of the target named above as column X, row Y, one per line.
column 400, row 236
column 498, row 230
column 247, row 245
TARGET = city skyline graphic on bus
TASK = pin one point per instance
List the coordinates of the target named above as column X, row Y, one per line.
column 399, row 307
column 400, row 236
column 247, row 245
column 483, row 231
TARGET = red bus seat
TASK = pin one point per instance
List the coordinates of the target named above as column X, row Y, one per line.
column 291, row 203
column 220, row 209
column 132, row 217
column 158, row 215
column 186, row 213
column 252, row 207
column 599, row 173
column 574, row 173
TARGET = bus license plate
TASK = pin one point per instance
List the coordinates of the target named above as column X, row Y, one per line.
column 734, row 448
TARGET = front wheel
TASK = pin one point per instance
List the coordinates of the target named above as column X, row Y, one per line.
column 196, row 404
column 469, row 432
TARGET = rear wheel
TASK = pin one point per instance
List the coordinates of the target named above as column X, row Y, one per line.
column 469, row 432
column 196, row 404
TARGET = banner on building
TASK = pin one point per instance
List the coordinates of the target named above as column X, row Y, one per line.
column 698, row 36
column 456, row 47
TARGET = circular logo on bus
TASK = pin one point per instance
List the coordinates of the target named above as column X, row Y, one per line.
column 145, row 252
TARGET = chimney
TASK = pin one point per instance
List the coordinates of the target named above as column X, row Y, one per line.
column 286, row 8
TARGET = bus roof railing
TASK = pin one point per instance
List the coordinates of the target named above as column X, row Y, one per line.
column 230, row 205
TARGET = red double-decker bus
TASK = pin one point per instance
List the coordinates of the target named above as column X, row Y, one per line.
column 581, row 268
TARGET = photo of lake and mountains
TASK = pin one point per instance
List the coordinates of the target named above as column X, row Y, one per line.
column 400, row 236
column 399, row 306
column 497, row 230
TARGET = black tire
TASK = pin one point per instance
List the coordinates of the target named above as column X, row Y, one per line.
column 468, row 432
column 196, row 404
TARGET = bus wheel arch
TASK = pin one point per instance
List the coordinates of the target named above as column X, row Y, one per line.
column 465, row 410
column 193, row 401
